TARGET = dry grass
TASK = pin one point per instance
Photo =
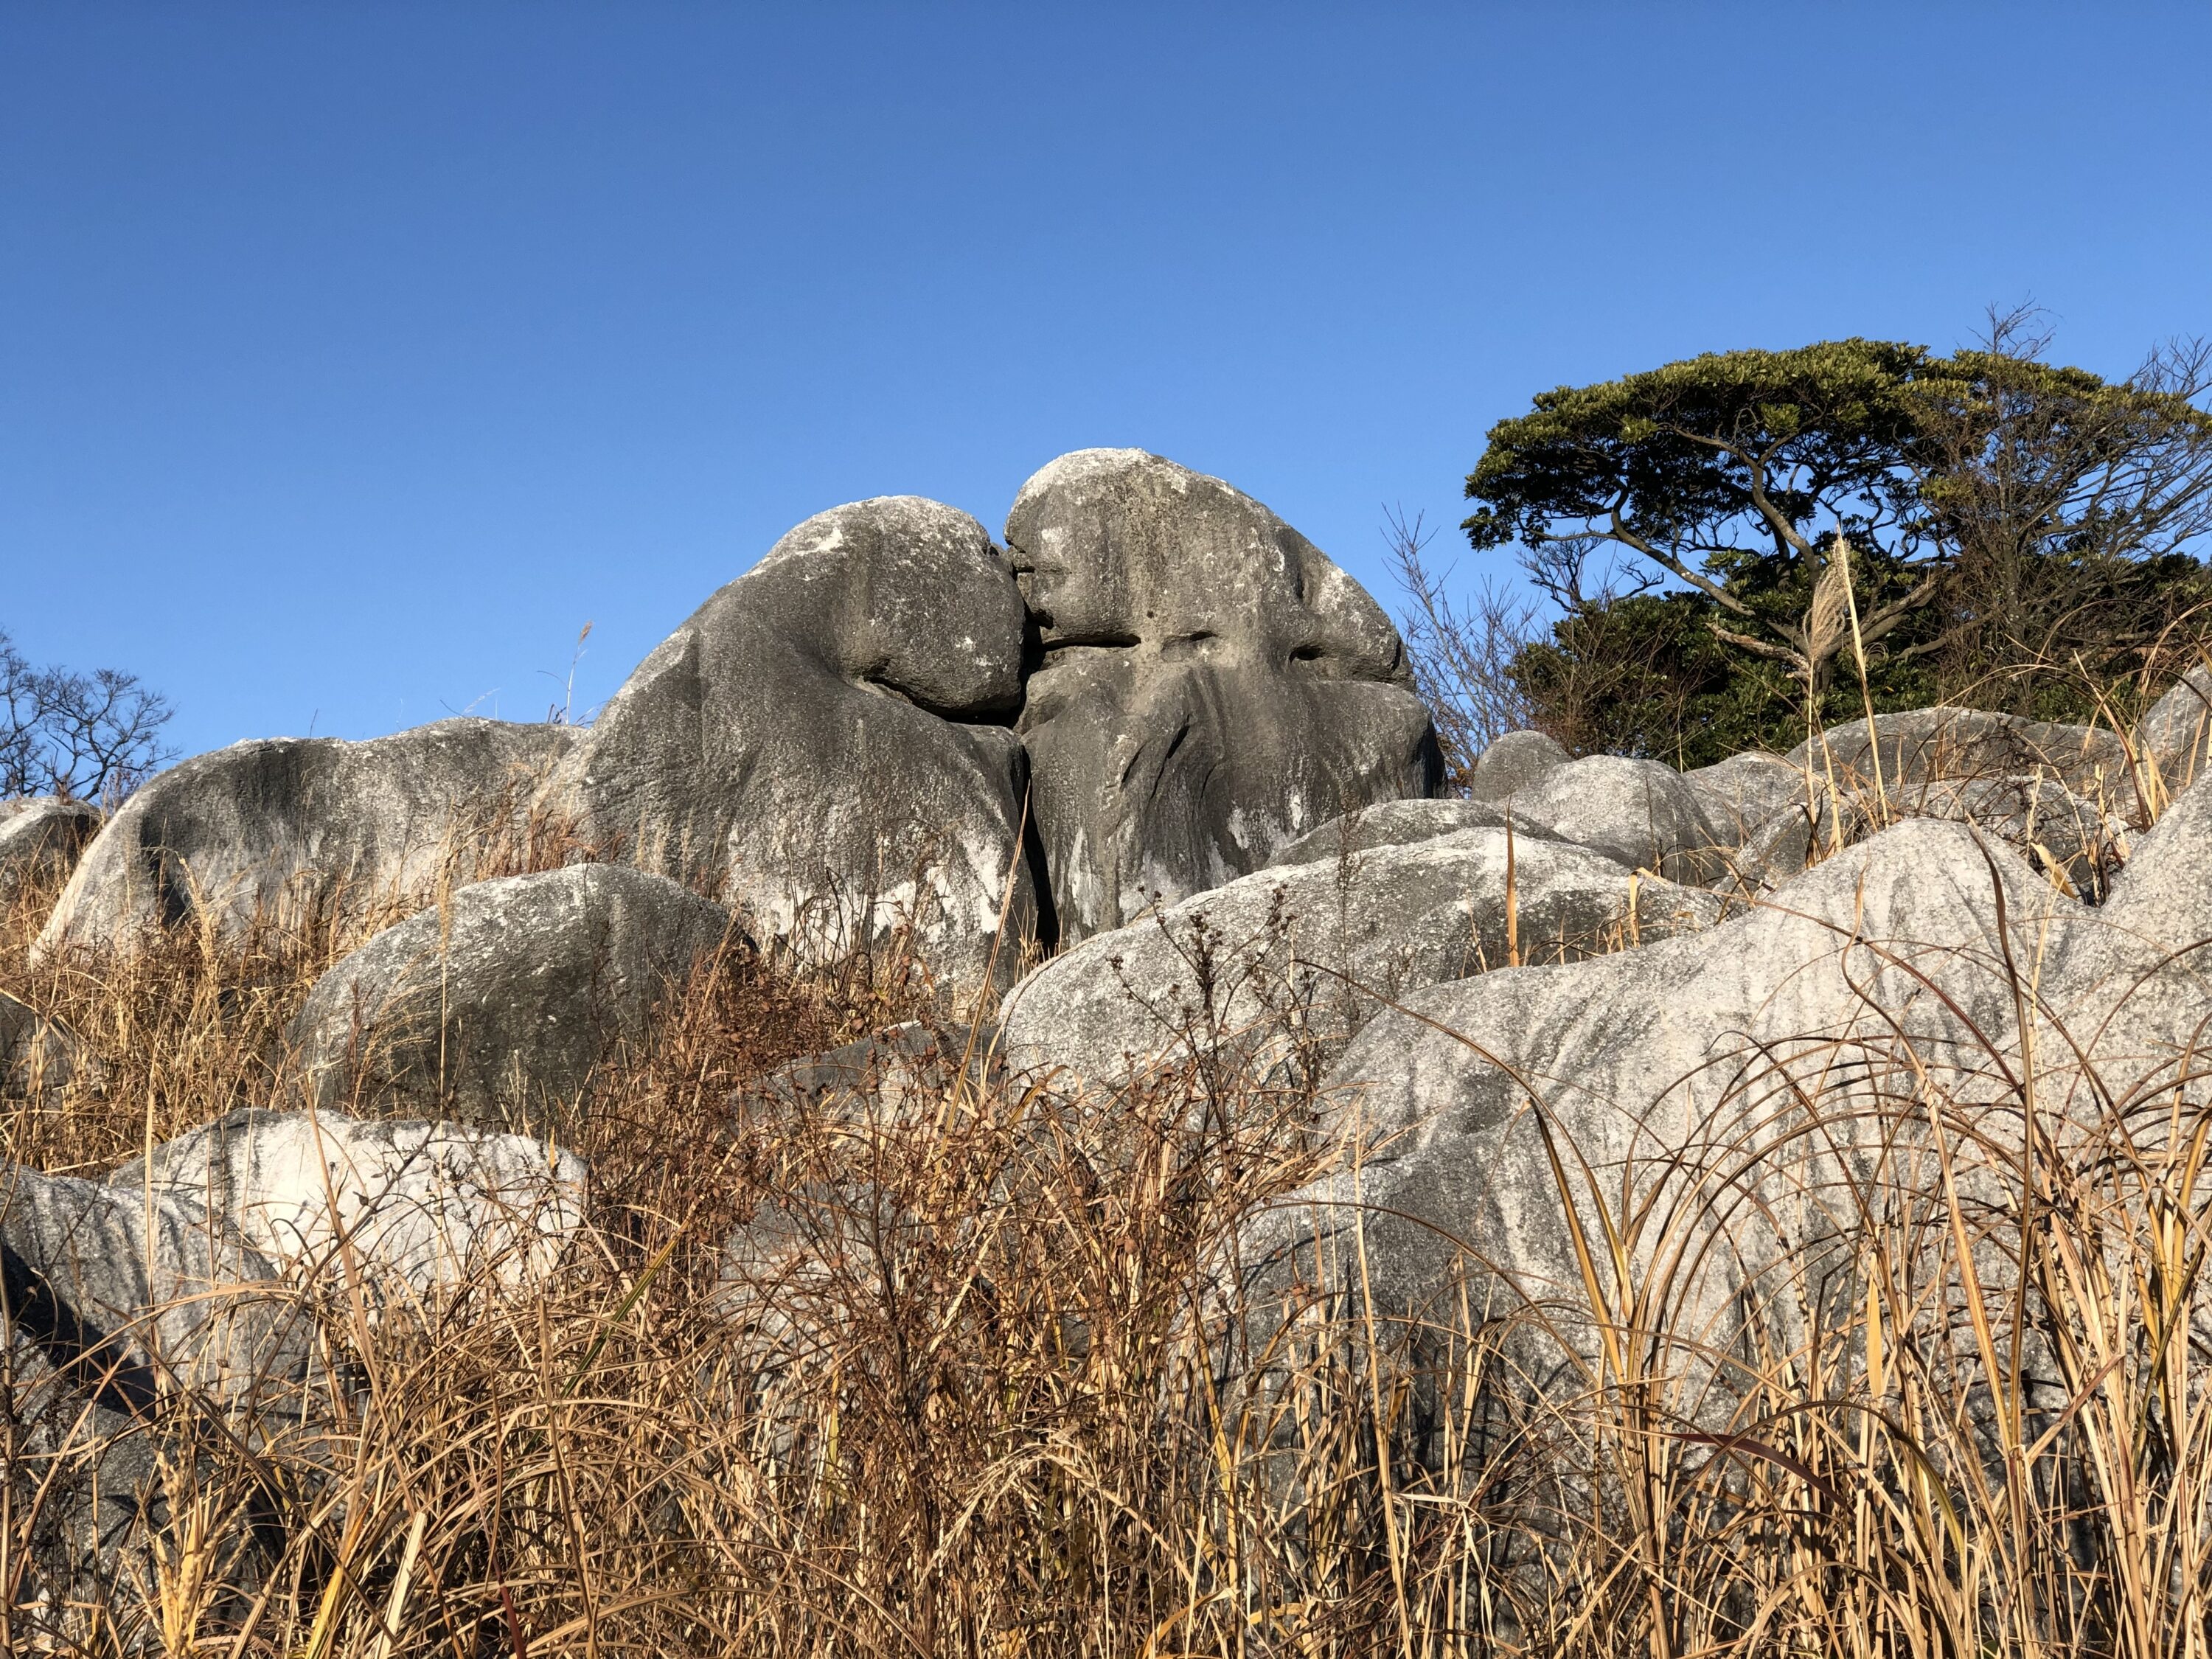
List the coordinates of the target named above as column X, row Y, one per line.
column 982, row 1379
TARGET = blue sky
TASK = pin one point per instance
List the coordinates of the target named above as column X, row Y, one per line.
column 353, row 357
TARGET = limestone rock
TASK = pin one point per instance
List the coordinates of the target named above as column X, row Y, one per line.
column 1925, row 744
column 1743, row 793
column 1300, row 954
column 2176, row 730
column 40, row 841
column 111, row 1326
column 827, row 741
column 1396, row 823
column 296, row 829
column 37, row 1057
column 1513, row 763
column 1685, row 1062
column 499, row 1009
column 419, row 1205
column 1212, row 687
column 1636, row 812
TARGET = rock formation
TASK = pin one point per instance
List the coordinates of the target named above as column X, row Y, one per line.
column 300, row 830
column 1212, row 687
column 500, row 1006
column 827, row 741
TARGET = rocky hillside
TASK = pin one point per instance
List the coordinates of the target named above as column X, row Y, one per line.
column 1142, row 792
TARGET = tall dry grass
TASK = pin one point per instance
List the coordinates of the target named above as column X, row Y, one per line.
column 974, row 1366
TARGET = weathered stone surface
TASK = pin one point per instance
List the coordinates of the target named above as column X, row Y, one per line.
column 297, row 829
column 1301, row 953
column 91, row 1288
column 40, row 840
column 2046, row 824
column 419, row 1207
column 1967, row 743
column 1398, row 823
column 2176, row 732
column 1515, row 762
column 1743, row 793
column 37, row 1057
column 1636, row 812
column 1211, row 686
column 126, row 1321
column 1756, row 1082
column 1690, row 1054
column 499, row 1009
column 827, row 741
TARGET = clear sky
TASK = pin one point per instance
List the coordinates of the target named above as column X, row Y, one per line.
column 352, row 357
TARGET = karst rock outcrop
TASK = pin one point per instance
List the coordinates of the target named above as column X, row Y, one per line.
column 827, row 743
column 1211, row 686
column 296, row 831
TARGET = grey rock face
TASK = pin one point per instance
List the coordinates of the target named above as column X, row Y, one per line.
column 1389, row 921
column 1744, row 791
column 1636, row 812
column 1211, row 686
column 827, row 741
column 2055, row 830
column 2176, row 730
column 119, row 1311
column 1769, row 1072
column 40, row 841
column 1514, row 763
column 418, row 1206
column 37, row 1057
column 1689, row 1049
column 1398, row 823
column 297, row 829
column 1926, row 743
column 500, row 1010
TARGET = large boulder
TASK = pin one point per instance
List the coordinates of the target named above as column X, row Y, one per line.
column 501, row 1006
column 1636, row 812
column 1744, row 791
column 1307, row 953
column 1212, row 687
column 300, row 831
column 1759, row 1090
column 1397, row 823
column 40, row 840
column 827, row 742
column 402, row 1208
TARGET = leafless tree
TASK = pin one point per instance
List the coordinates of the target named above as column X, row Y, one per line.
column 89, row 736
column 1462, row 651
column 2077, row 511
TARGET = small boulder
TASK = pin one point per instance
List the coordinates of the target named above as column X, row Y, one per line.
column 40, row 841
column 1212, row 687
column 420, row 1206
column 827, row 743
column 302, row 830
column 1514, row 763
column 1308, row 953
column 501, row 1008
